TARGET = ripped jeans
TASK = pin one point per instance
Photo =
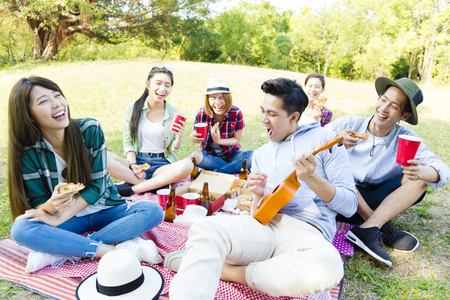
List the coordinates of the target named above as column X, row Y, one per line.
column 112, row 225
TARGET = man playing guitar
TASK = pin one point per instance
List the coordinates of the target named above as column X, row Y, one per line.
column 292, row 255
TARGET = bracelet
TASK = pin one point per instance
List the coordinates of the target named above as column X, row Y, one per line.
column 131, row 165
column 418, row 177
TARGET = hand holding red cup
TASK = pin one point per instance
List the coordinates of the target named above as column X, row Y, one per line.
column 176, row 118
column 407, row 148
column 201, row 128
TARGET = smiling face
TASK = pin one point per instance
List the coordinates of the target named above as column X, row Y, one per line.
column 389, row 110
column 313, row 88
column 159, row 87
column 217, row 103
column 275, row 119
column 48, row 109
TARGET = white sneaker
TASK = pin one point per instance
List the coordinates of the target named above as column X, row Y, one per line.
column 38, row 260
column 173, row 260
column 145, row 250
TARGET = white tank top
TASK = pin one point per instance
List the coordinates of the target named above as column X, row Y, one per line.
column 152, row 137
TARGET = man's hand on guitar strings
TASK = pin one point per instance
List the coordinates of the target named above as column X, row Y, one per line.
column 257, row 182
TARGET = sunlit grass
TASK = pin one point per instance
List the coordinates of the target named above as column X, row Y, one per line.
column 102, row 90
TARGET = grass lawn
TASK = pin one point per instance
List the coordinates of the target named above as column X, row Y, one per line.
column 102, row 90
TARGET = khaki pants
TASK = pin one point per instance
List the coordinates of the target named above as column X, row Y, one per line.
column 284, row 258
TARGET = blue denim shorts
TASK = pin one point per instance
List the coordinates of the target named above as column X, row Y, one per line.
column 154, row 162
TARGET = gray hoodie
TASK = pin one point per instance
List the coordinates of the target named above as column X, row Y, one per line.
column 274, row 159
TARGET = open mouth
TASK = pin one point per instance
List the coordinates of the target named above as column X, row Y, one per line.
column 161, row 94
column 269, row 132
column 381, row 116
column 59, row 115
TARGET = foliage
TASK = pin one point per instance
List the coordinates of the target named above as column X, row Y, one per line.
column 15, row 40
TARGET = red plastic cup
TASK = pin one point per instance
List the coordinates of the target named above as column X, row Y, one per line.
column 163, row 195
column 176, row 120
column 407, row 148
column 201, row 128
column 191, row 199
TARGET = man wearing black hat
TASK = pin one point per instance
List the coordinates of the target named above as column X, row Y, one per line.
column 385, row 188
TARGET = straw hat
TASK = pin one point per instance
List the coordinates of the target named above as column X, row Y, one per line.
column 121, row 276
column 409, row 87
column 217, row 85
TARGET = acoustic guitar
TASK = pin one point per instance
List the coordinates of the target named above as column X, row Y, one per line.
column 271, row 204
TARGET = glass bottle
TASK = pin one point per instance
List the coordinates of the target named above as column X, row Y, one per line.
column 171, row 206
column 205, row 201
column 243, row 173
column 195, row 172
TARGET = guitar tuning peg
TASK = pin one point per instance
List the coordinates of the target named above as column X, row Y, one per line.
column 331, row 150
column 340, row 144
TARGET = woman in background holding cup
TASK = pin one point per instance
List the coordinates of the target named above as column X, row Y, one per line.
column 150, row 137
column 225, row 122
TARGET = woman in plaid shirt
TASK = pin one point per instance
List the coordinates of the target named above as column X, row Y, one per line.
column 220, row 150
column 47, row 149
column 314, row 86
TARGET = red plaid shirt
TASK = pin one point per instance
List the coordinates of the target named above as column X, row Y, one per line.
column 232, row 122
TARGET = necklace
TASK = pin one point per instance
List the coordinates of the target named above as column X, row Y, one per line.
column 382, row 144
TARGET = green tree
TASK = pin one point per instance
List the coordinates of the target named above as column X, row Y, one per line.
column 111, row 21
column 15, row 40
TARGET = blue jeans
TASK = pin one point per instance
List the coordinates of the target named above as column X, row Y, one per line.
column 230, row 165
column 112, row 225
column 154, row 162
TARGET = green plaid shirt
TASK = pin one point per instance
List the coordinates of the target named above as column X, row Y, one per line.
column 40, row 174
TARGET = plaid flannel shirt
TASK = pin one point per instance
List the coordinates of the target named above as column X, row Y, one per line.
column 232, row 122
column 326, row 116
column 40, row 174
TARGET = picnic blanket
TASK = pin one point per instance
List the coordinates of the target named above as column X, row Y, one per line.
column 61, row 282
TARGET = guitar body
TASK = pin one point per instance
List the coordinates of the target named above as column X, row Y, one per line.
column 279, row 197
column 271, row 204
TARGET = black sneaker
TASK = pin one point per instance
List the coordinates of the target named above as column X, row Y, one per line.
column 397, row 239
column 125, row 189
column 369, row 239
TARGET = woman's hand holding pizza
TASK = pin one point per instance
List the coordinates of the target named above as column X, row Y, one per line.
column 138, row 171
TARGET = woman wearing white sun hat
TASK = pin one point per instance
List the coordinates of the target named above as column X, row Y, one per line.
column 220, row 151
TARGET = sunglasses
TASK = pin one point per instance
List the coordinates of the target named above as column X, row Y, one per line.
column 163, row 67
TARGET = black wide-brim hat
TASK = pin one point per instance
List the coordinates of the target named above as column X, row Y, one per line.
column 407, row 86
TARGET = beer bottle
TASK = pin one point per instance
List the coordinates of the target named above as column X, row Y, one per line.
column 205, row 201
column 171, row 206
column 244, row 171
column 195, row 172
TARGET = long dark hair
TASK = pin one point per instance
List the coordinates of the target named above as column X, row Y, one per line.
column 137, row 109
column 23, row 132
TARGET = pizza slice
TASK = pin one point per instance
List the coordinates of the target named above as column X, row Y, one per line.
column 360, row 136
column 71, row 187
column 145, row 166
column 320, row 102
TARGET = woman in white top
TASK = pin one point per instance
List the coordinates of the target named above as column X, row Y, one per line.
column 148, row 139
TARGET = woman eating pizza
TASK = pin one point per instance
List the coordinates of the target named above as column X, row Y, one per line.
column 315, row 112
column 48, row 149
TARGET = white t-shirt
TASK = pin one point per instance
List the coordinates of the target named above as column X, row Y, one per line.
column 360, row 157
column 306, row 120
column 61, row 164
column 152, row 137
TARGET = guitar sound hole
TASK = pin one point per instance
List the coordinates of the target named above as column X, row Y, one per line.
column 276, row 189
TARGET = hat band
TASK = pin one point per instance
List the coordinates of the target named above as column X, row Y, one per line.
column 121, row 289
column 218, row 89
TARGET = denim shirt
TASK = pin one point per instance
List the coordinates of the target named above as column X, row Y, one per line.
column 388, row 167
column 169, row 136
